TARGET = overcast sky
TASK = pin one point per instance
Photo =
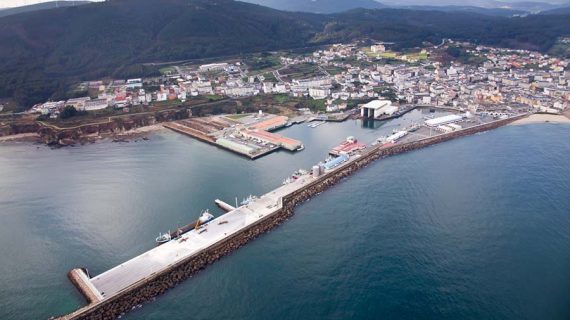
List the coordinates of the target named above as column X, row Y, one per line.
column 17, row 3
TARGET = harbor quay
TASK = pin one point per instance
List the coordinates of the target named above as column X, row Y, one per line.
column 136, row 281
column 248, row 135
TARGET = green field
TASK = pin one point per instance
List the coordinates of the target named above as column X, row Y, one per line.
column 269, row 77
column 334, row 70
column 301, row 71
column 262, row 63
column 167, row 70
column 237, row 116
column 388, row 54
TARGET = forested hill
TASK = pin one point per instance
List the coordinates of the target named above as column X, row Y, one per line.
column 408, row 28
column 42, row 52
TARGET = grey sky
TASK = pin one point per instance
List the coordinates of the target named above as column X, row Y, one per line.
column 17, row 3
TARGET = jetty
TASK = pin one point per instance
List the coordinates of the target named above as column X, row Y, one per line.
column 139, row 280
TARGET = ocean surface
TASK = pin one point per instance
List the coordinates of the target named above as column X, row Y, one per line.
column 474, row 228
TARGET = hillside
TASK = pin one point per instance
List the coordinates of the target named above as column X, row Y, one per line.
column 478, row 10
column 114, row 37
column 559, row 11
column 409, row 27
column 42, row 53
column 318, row 6
column 527, row 6
column 40, row 6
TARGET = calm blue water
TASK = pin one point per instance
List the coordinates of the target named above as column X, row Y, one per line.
column 474, row 228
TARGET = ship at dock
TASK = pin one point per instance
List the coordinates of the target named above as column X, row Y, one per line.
column 349, row 146
column 204, row 218
column 296, row 175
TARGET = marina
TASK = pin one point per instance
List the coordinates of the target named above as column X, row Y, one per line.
column 189, row 253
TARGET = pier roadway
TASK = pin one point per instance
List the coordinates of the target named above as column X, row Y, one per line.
column 121, row 277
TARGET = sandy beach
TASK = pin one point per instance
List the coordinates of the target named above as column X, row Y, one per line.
column 20, row 137
column 543, row 118
column 145, row 129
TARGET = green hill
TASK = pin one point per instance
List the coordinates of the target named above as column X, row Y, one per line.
column 318, row 6
column 42, row 53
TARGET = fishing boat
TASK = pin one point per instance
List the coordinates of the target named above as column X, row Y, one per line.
column 247, row 200
column 316, row 124
column 163, row 238
column 205, row 217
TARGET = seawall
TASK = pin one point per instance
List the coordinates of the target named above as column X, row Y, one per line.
column 148, row 288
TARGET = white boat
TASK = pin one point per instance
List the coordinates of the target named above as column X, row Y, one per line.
column 247, row 200
column 163, row 237
column 301, row 148
column 316, row 124
column 205, row 217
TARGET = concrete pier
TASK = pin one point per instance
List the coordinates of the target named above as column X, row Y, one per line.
column 224, row 206
column 80, row 279
column 142, row 278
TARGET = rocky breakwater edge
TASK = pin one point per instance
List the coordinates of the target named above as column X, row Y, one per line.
column 147, row 289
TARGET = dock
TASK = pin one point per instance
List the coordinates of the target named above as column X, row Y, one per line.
column 249, row 136
column 152, row 273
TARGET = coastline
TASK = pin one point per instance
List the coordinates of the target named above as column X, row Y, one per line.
column 126, row 136
column 542, row 118
column 22, row 137
column 135, row 133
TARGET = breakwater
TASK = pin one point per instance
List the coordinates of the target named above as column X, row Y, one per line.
column 147, row 288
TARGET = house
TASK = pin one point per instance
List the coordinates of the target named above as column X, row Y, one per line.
column 319, row 93
column 378, row 48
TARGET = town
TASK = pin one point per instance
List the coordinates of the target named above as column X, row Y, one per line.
column 482, row 79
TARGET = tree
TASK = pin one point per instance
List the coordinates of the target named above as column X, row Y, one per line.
column 68, row 112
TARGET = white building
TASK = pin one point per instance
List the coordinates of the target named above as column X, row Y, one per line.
column 312, row 83
column 78, row 103
column 240, row 91
column 280, row 88
column 443, row 120
column 161, row 96
column 319, row 93
column 134, row 83
column 376, row 108
column 96, row 104
column 268, row 87
column 213, row 67
column 377, row 48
